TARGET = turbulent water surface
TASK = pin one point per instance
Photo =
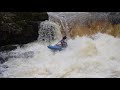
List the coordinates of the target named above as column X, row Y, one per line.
column 85, row 57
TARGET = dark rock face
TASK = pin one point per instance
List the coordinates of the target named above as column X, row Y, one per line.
column 20, row 27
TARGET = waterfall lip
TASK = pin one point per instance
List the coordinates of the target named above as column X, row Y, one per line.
column 65, row 19
column 65, row 15
column 68, row 16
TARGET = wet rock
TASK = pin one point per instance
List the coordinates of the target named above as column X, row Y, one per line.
column 8, row 48
column 19, row 27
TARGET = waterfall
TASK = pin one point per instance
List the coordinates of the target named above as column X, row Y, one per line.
column 49, row 31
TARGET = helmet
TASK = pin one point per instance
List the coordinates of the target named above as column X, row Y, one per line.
column 64, row 37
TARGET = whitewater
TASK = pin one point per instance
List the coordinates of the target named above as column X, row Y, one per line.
column 85, row 57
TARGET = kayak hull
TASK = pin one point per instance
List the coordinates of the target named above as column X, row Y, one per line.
column 55, row 47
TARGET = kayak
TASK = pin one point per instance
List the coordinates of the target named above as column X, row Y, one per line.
column 55, row 48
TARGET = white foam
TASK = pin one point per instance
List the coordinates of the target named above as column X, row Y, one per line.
column 84, row 58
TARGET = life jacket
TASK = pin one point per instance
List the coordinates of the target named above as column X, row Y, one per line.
column 63, row 43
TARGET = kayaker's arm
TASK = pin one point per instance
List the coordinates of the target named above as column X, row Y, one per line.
column 58, row 42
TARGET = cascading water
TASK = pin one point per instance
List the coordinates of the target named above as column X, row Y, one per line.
column 84, row 57
column 49, row 31
column 69, row 20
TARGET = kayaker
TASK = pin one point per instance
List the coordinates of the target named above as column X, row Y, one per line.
column 63, row 42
